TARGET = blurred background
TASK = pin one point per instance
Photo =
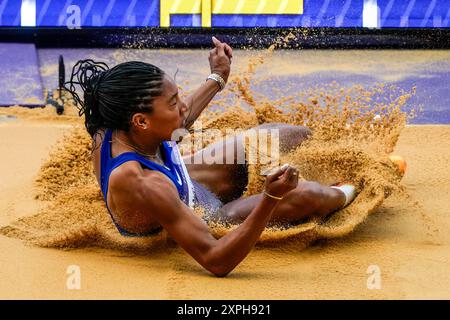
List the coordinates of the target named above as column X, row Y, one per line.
column 364, row 42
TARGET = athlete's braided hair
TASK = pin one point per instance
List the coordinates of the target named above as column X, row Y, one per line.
column 112, row 96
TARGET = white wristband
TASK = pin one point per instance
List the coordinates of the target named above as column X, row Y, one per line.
column 218, row 79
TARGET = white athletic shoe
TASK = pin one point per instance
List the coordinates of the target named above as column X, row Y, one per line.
column 349, row 191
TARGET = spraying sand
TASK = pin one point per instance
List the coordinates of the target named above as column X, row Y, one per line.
column 347, row 144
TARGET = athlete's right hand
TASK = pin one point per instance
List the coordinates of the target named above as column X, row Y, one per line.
column 282, row 181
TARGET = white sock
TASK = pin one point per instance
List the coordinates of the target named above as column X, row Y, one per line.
column 349, row 192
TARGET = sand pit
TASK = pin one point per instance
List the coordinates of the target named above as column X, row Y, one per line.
column 347, row 145
column 405, row 237
column 402, row 237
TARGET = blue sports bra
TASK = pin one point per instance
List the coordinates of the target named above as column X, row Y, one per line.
column 172, row 169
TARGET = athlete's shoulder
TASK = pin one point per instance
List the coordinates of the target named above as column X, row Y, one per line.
column 131, row 178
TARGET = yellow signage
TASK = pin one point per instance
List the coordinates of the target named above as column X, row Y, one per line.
column 208, row 7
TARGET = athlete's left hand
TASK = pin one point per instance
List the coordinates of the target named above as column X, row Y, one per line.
column 220, row 58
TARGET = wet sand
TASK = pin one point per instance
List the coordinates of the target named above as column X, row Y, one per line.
column 406, row 237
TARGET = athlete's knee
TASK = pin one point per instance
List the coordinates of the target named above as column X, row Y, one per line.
column 298, row 132
column 301, row 130
column 286, row 127
column 292, row 136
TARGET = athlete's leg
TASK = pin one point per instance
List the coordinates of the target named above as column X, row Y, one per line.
column 308, row 200
column 228, row 180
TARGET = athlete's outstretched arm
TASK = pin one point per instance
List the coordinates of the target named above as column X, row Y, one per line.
column 159, row 197
column 220, row 63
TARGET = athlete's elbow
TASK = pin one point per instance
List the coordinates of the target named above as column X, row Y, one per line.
column 222, row 274
column 219, row 270
column 218, row 266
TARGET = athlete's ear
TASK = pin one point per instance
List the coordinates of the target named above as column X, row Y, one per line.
column 140, row 121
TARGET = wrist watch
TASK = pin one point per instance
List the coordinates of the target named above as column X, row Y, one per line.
column 218, row 79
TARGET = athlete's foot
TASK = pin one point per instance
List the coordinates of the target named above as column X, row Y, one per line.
column 346, row 193
column 349, row 191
